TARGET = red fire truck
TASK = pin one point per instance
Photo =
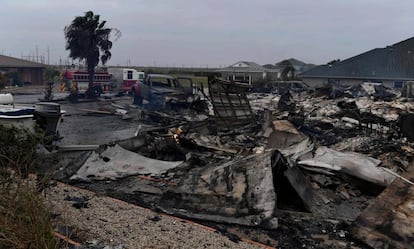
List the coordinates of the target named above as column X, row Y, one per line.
column 78, row 81
column 124, row 78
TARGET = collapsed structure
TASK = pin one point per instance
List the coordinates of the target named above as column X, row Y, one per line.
column 259, row 155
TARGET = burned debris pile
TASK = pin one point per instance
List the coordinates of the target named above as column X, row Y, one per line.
column 230, row 103
column 238, row 157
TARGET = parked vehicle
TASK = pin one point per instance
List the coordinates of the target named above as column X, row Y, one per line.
column 160, row 88
column 78, row 81
column 122, row 79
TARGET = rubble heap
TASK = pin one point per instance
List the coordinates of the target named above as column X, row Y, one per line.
column 268, row 161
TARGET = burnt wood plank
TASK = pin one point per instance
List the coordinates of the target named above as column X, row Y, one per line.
column 388, row 222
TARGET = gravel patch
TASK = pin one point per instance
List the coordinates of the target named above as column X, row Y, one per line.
column 118, row 224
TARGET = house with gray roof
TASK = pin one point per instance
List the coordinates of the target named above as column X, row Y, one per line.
column 17, row 71
column 298, row 65
column 248, row 72
column 392, row 66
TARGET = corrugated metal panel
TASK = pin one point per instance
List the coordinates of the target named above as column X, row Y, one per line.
column 391, row 62
column 230, row 103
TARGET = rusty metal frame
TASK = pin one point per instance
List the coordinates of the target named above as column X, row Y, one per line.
column 230, row 103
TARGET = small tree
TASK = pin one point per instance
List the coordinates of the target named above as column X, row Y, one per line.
column 51, row 76
column 88, row 39
column 288, row 71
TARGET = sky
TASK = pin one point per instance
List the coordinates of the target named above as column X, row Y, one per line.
column 210, row 33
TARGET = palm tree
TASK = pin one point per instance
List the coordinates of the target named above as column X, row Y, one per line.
column 88, row 39
column 288, row 71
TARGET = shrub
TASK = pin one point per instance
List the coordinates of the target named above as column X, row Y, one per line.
column 24, row 220
column 17, row 149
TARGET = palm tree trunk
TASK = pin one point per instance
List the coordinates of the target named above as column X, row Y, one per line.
column 91, row 72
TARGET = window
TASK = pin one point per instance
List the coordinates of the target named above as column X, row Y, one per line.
column 398, row 84
column 334, row 81
column 164, row 82
column 184, row 82
column 298, row 85
column 129, row 76
column 239, row 78
column 174, row 83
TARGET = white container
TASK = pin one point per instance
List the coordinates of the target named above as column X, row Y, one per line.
column 6, row 99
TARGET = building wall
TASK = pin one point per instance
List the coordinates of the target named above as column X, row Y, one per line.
column 315, row 82
column 32, row 76
column 320, row 82
column 247, row 77
column 20, row 76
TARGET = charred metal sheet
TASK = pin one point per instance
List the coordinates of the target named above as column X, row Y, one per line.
column 286, row 102
column 116, row 162
column 352, row 163
column 230, row 103
column 240, row 191
column 388, row 222
column 406, row 124
column 291, row 185
column 243, row 191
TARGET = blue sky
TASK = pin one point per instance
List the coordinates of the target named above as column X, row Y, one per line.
column 211, row 32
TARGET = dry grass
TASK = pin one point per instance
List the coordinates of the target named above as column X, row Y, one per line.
column 24, row 220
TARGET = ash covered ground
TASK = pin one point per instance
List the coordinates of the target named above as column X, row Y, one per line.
column 311, row 206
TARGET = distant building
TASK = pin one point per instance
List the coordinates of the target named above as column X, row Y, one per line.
column 392, row 66
column 248, row 72
column 19, row 72
column 298, row 65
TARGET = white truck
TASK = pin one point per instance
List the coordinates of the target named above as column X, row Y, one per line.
column 122, row 79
